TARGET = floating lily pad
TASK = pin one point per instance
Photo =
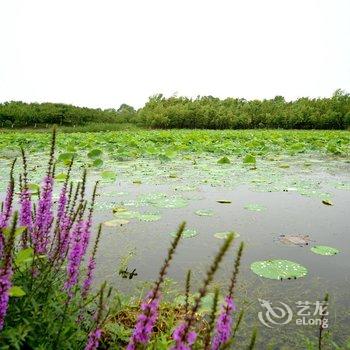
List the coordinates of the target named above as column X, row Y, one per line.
column 254, row 207
column 324, row 250
column 116, row 222
column 224, row 201
column 224, row 235
column 127, row 215
column 108, row 175
column 169, row 202
column 224, row 160
column 278, row 269
column 149, row 217
column 327, row 202
column 204, row 212
column 284, row 166
column 188, row 233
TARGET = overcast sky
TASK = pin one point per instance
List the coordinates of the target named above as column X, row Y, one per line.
column 103, row 53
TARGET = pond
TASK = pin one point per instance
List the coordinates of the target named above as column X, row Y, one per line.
column 280, row 206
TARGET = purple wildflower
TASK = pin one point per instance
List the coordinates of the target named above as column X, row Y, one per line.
column 25, row 214
column 146, row 320
column 94, row 338
column 7, row 209
column 6, row 213
column 74, row 258
column 64, row 223
column 180, row 343
column 89, row 276
column 224, row 324
column 86, row 234
column 44, row 217
column 62, row 202
column 5, row 285
column 64, row 232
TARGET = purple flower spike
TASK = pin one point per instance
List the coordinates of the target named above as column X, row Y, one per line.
column 94, row 339
column 146, row 320
column 6, row 213
column 44, row 217
column 74, row 258
column 178, row 335
column 5, row 285
column 25, row 214
column 224, row 324
column 89, row 277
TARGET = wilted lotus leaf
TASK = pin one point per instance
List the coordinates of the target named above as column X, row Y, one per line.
column 327, row 202
column 224, row 235
column 119, row 209
column 300, row 240
column 278, row 269
column 188, row 233
column 324, row 250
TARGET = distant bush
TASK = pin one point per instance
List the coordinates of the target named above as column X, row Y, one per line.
column 231, row 113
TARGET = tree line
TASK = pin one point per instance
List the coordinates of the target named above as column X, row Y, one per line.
column 232, row 113
column 204, row 112
column 21, row 114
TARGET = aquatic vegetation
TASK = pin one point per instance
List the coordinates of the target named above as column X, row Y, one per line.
column 278, row 269
column 149, row 217
column 204, row 212
column 324, row 250
column 224, row 235
column 224, row 160
column 254, row 207
column 188, row 233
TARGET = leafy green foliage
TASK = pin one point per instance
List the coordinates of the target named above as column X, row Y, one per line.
column 233, row 113
column 20, row 114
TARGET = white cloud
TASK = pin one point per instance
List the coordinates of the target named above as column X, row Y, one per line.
column 103, row 53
